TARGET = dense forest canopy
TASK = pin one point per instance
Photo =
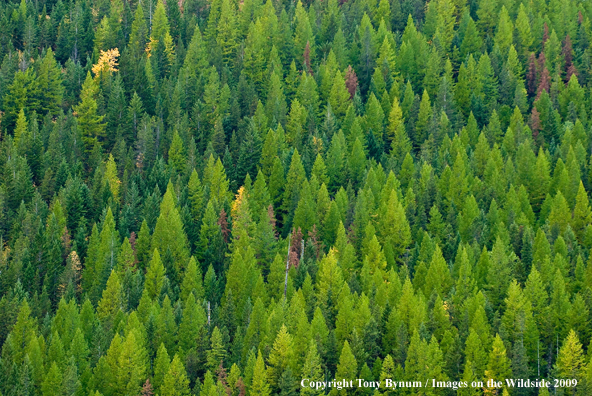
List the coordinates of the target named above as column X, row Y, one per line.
column 225, row 197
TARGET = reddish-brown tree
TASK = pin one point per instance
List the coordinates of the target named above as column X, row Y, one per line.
column 351, row 81
column 545, row 83
column 532, row 75
column 307, row 58
column 223, row 223
column 535, row 122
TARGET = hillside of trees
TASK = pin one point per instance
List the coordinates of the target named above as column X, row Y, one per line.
column 225, row 197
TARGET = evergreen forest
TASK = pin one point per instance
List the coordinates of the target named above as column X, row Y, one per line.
column 222, row 197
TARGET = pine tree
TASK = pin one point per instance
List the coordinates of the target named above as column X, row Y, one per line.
column 132, row 365
column 499, row 273
column 192, row 280
column 445, row 22
column 356, row 164
column 498, row 366
column 90, row 122
column 394, row 228
column 396, row 122
column 303, row 36
column 50, row 85
column 438, row 278
column 304, row 215
column 111, row 178
column 424, row 117
column 21, row 131
column 475, row 353
column 112, row 301
column 570, row 361
column 330, row 282
column 347, row 367
column 374, row 118
column 294, row 180
column 281, row 357
column 259, row 386
column 226, row 35
column 175, row 382
column 339, row 96
column 177, row 153
column 161, row 366
column 472, row 41
column 312, row 369
column 192, row 324
column 503, row 35
column 582, row 216
column 22, row 93
column 52, row 384
column 138, row 34
column 560, row 213
column 169, row 233
column 22, row 334
column 155, row 276
column 217, row 353
column 487, row 16
column 525, row 39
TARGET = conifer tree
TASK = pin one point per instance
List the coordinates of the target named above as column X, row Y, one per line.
column 226, row 35
column 396, row 122
column 52, row 383
column 294, row 180
column 192, row 324
column 347, row 367
column 176, row 153
column 499, row 272
column 339, row 96
column 161, row 366
column 155, row 276
column 50, row 85
column 281, row 356
column 582, row 216
column 312, row 369
column 525, row 39
column 192, row 280
column 216, row 354
column 169, row 233
column 256, row 53
column 132, row 365
column 425, row 113
column 337, row 175
column 259, row 386
column 438, row 278
column 570, row 361
column 498, row 366
column 90, row 122
column 503, row 35
column 112, row 301
column 394, row 227
column 175, row 382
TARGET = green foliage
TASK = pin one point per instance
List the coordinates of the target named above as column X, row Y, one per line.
column 169, row 234
column 251, row 193
column 89, row 121
column 155, row 276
